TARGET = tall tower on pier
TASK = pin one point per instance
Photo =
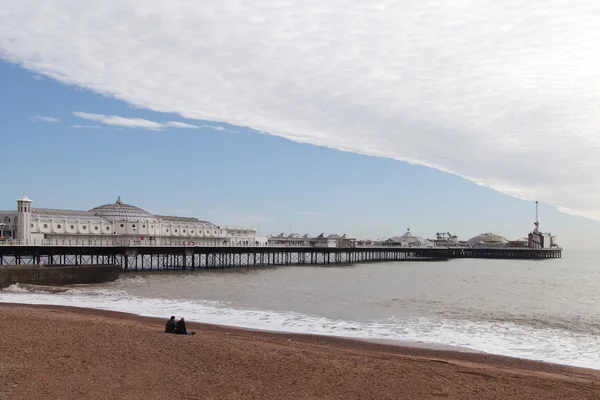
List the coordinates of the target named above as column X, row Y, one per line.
column 537, row 221
column 24, row 220
column 537, row 239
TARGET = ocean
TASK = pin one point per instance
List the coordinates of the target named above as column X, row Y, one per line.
column 545, row 310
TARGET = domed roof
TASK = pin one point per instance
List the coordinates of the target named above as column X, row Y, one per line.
column 488, row 238
column 120, row 211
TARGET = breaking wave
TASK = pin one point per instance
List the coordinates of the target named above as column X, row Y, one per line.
column 506, row 336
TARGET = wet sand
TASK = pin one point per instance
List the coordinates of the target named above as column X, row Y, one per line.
column 51, row 352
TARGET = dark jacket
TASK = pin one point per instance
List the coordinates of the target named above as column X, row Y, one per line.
column 181, row 327
column 170, row 327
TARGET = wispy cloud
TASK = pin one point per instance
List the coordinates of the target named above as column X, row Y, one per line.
column 494, row 91
column 37, row 77
column 86, row 127
column 175, row 124
column 217, row 128
column 43, row 118
column 114, row 120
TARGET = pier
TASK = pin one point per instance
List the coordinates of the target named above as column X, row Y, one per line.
column 146, row 258
column 135, row 239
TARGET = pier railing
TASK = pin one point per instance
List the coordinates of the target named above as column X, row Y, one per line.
column 177, row 243
column 224, row 244
column 131, row 243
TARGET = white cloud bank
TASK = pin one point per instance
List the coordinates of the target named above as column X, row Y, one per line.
column 505, row 93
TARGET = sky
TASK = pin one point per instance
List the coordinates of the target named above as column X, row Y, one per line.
column 346, row 117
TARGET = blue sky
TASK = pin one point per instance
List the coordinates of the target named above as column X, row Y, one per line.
column 237, row 176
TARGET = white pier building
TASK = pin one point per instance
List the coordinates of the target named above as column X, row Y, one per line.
column 115, row 224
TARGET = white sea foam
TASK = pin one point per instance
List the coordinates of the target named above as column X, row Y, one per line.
column 16, row 288
column 507, row 338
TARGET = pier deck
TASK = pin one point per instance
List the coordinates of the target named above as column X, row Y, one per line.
column 137, row 258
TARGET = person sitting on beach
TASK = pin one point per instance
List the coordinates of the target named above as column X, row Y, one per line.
column 170, row 327
column 181, row 329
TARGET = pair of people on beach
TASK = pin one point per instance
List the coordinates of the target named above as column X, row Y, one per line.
column 177, row 327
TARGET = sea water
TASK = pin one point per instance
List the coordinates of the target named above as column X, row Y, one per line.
column 536, row 309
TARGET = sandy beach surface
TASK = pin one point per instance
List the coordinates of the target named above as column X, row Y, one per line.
column 71, row 353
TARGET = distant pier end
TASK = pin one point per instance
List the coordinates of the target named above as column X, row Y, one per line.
column 539, row 240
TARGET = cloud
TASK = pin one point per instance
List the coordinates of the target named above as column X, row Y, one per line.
column 505, row 94
column 37, row 77
column 42, row 118
column 86, row 127
column 114, row 120
column 217, row 128
column 180, row 125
